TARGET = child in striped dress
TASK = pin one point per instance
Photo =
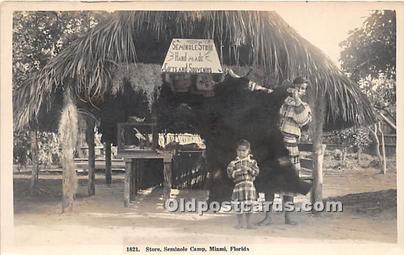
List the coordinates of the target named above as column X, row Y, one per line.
column 243, row 171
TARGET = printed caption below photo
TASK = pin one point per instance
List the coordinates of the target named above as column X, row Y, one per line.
column 191, row 249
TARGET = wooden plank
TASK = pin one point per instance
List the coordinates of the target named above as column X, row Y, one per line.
column 149, row 154
column 90, row 139
column 305, row 147
column 127, row 183
column 136, row 168
column 99, row 164
column 167, row 179
column 108, row 163
column 306, row 163
column 309, row 147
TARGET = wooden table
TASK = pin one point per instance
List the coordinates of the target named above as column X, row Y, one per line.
column 132, row 169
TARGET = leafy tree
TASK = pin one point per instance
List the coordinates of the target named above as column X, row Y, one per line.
column 369, row 57
column 371, row 49
column 37, row 38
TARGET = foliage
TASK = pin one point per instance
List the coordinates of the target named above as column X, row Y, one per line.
column 48, row 145
column 21, row 148
column 40, row 36
column 381, row 93
column 371, row 49
column 48, row 148
column 349, row 138
column 369, row 56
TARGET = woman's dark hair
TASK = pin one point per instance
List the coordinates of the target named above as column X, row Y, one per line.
column 243, row 142
column 300, row 80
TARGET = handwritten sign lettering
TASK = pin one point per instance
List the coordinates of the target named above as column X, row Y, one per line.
column 192, row 56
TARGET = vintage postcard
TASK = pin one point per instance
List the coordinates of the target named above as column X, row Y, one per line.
column 200, row 128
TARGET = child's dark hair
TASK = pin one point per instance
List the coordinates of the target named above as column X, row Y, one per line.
column 244, row 142
column 300, row 80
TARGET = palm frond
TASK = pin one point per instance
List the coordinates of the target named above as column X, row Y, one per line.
column 259, row 39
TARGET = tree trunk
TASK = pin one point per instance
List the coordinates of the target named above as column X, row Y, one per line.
column 81, row 136
column 108, row 168
column 318, row 119
column 91, row 156
column 384, row 169
column 344, row 156
column 377, row 142
column 35, row 162
column 68, row 139
column 359, row 153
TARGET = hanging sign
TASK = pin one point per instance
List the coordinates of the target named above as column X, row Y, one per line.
column 192, row 56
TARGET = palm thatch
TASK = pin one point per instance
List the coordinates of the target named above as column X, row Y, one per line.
column 258, row 39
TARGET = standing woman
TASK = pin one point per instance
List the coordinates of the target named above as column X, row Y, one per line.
column 294, row 114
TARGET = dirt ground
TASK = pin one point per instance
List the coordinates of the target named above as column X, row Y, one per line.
column 369, row 214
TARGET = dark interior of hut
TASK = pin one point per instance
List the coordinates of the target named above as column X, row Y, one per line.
column 233, row 113
column 219, row 108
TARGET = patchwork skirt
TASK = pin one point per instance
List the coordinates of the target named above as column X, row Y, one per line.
column 291, row 145
column 244, row 191
column 244, row 196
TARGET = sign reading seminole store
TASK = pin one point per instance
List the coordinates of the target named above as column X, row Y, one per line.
column 192, row 56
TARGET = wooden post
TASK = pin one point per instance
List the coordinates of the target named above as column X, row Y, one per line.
column 139, row 174
column 127, row 183
column 68, row 138
column 167, row 178
column 108, row 167
column 377, row 141
column 91, row 156
column 35, row 162
column 318, row 119
column 384, row 170
column 81, row 136
column 135, row 178
column 359, row 154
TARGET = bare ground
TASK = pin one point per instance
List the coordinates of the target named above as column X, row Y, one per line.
column 369, row 214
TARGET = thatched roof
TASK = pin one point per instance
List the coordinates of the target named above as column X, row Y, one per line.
column 259, row 39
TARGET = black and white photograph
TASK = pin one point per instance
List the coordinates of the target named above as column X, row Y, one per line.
column 202, row 131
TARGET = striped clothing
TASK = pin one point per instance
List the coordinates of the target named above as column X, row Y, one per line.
column 244, row 190
column 291, row 144
column 293, row 117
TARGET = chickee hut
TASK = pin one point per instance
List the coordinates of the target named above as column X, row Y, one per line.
column 143, row 74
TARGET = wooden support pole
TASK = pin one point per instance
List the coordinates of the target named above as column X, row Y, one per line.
column 391, row 124
column 139, row 174
column 81, row 136
column 90, row 139
column 127, row 183
column 377, row 142
column 384, row 169
column 108, row 164
column 35, row 161
column 135, row 178
column 167, row 179
column 68, row 138
column 317, row 128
